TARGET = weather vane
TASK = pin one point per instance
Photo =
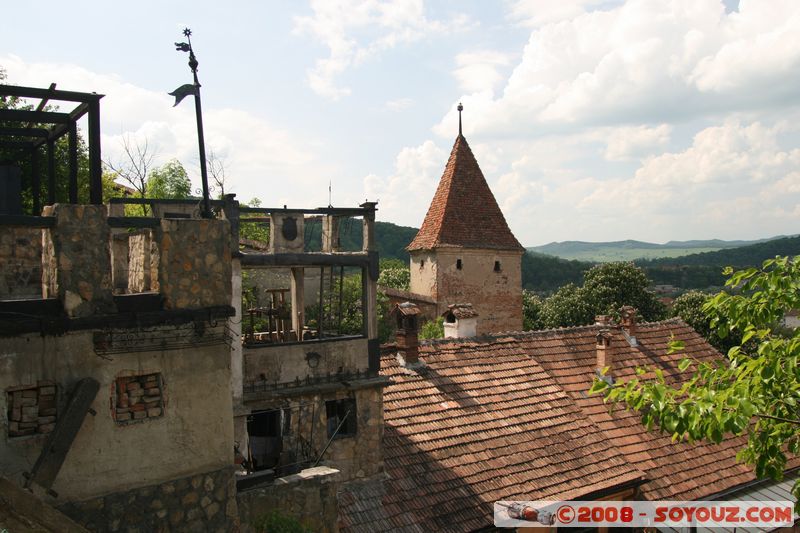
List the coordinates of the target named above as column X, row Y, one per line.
column 194, row 89
column 460, row 109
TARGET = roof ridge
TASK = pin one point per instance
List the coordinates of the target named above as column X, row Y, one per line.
column 541, row 332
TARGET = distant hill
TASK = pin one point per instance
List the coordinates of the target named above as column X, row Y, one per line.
column 545, row 273
column 390, row 238
column 630, row 250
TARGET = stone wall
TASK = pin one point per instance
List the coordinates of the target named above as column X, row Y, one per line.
column 76, row 259
column 139, row 262
column 203, row 502
column 194, row 258
column 495, row 295
column 310, row 497
column 20, row 262
column 356, row 456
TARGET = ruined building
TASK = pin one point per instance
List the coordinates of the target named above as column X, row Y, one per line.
column 138, row 389
column 465, row 252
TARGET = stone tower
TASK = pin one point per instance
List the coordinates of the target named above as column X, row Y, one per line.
column 465, row 252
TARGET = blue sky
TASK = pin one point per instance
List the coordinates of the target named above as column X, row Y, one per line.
column 592, row 120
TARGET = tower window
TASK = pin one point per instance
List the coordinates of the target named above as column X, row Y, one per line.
column 458, row 264
column 422, row 264
column 497, row 266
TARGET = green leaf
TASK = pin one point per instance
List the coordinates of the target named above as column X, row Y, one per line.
column 684, row 364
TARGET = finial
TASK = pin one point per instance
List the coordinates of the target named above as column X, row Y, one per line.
column 460, row 109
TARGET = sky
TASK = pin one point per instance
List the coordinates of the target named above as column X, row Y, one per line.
column 592, row 120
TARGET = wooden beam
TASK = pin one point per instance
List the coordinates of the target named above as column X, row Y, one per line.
column 355, row 259
column 51, row 173
column 25, row 132
column 95, row 163
column 27, row 221
column 73, row 163
column 51, row 94
column 21, row 145
column 60, row 440
column 44, row 117
column 134, row 222
column 36, row 189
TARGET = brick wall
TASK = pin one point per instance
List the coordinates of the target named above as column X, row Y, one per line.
column 31, row 409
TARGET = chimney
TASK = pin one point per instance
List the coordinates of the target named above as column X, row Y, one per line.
column 603, row 320
column 460, row 321
column 406, row 317
column 628, row 323
column 604, row 356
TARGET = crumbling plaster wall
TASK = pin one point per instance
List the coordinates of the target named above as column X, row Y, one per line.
column 284, row 363
column 194, row 435
column 496, row 296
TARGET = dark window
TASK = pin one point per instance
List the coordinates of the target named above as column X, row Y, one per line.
column 341, row 412
column 265, row 430
column 497, row 266
column 458, row 264
column 422, row 263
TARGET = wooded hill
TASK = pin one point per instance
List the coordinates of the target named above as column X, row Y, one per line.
column 543, row 273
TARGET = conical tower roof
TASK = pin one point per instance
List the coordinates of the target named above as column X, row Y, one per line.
column 464, row 212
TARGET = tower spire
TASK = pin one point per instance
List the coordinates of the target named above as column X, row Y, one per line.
column 460, row 109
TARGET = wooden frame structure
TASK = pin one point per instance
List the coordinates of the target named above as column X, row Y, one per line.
column 29, row 129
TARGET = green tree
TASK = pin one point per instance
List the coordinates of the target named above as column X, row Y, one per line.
column 567, row 307
column 432, row 329
column 255, row 231
column 532, row 307
column 170, row 180
column 754, row 393
column 394, row 274
column 609, row 286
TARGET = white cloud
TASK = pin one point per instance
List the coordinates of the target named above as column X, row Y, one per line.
column 538, row 12
column 646, row 62
column 400, row 104
column 632, row 142
column 260, row 157
column 405, row 195
column 355, row 30
column 480, row 70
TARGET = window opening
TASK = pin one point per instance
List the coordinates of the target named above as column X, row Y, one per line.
column 342, row 415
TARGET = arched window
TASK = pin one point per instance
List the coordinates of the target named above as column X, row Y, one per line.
column 497, row 266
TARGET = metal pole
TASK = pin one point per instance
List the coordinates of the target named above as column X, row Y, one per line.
column 201, row 140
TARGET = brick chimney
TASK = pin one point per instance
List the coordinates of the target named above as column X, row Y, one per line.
column 628, row 323
column 603, row 320
column 406, row 316
column 603, row 346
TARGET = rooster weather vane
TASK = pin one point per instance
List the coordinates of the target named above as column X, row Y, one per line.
column 194, row 89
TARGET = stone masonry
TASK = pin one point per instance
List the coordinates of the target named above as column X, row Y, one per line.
column 76, row 270
column 21, row 263
column 310, row 497
column 194, row 258
column 204, row 502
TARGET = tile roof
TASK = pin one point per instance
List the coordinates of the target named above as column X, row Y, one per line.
column 508, row 417
column 464, row 212
column 480, row 422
